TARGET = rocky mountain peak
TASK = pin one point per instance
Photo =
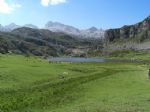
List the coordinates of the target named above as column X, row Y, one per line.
column 92, row 32
column 93, row 29
column 11, row 27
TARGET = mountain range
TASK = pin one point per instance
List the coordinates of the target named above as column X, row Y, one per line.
column 43, row 42
column 12, row 26
column 57, row 39
column 86, row 33
column 59, row 27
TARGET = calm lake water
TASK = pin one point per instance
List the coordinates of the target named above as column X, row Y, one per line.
column 72, row 59
column 99, row 60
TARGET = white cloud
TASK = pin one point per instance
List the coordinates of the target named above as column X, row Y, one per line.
column 52, row 2
column 8, row 8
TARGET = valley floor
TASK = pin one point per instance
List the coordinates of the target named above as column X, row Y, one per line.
column 30, row 84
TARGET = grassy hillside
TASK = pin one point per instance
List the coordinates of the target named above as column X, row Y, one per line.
column 30, row 84
column 142, row 55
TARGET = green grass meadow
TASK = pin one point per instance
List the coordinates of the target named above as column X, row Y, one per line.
column 31, row 84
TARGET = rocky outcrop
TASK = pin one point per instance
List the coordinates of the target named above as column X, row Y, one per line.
column 139, row 31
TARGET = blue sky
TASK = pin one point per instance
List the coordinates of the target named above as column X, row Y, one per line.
column 79, row 13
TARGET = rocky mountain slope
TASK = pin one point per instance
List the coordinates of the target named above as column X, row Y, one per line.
column 129, row 37
column 139, row 32
column 86, row 33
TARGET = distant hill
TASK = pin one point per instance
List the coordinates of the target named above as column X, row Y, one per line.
column 41, row 42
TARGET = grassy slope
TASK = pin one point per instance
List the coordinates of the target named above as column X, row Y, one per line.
column 35, row 85
column 130, row 54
